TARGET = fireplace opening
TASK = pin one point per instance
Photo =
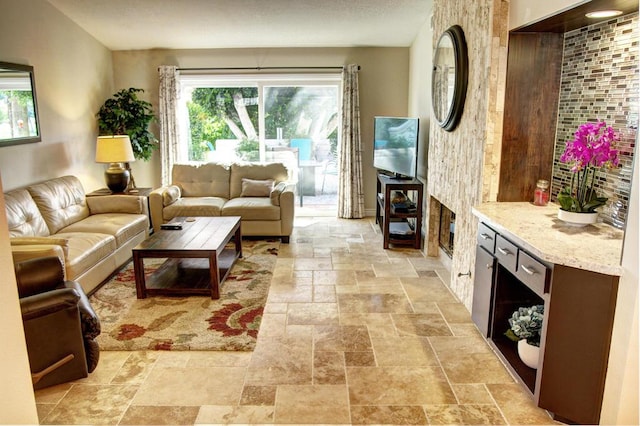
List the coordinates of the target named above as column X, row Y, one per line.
column 447, row 230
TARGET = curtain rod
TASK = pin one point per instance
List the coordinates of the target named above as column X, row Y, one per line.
column 261, row 68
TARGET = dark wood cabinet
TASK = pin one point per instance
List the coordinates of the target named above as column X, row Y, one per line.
column 483, row 290
column 401, row 224
column 576, row 333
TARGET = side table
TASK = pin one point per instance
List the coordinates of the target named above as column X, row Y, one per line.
column 142, row 192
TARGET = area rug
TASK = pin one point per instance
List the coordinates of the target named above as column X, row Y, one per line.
column 230, row 323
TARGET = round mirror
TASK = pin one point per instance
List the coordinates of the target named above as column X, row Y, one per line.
column 449, row 78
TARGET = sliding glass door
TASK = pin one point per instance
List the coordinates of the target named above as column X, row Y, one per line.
column 284, row 118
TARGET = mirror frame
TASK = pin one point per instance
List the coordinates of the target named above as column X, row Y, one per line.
column 455, row 105
column 38, row 136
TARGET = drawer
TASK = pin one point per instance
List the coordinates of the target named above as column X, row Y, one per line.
column 506, row 253
column 487, row 238
column 532, row 273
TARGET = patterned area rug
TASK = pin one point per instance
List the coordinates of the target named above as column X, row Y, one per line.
column 230, row 323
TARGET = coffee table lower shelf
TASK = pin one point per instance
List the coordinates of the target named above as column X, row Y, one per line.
column 188, row 276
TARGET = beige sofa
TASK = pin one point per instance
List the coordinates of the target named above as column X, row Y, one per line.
column 93, row 236
column 261, row 194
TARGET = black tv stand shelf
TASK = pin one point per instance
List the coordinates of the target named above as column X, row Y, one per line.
column 400, row 223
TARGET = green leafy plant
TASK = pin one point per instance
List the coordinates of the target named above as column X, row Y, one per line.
column 248, row 150
column 526, row 323
column 590, row 151
column 126, row 114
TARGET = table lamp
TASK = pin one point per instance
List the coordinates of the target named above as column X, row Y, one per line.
column 115, row 150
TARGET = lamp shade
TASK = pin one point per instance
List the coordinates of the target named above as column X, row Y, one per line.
column 114, row 149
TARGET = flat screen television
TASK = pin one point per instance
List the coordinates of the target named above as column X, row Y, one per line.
column 395, row 146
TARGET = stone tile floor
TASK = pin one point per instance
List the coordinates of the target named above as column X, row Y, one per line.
column 352, row 334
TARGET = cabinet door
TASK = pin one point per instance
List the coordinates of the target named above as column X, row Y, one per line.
column 482, row 290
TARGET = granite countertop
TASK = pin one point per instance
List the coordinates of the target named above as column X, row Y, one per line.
column 596, row 248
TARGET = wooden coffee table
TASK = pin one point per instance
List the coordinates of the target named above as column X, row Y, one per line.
column 199, row 257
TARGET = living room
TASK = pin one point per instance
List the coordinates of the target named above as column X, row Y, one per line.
column 75, row 73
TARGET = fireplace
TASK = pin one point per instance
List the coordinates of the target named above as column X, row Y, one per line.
column 442, row 228
column 447, row 230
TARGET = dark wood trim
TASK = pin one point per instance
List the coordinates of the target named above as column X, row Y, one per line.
column 532, row 92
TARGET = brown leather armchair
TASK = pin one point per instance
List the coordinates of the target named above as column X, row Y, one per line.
column 59, row 323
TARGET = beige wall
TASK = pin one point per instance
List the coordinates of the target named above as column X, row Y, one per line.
column 383, row 78
column 73, row 78
column 420, row 89
column 17, row 402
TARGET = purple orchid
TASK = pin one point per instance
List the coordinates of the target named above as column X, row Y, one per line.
column 591, row 149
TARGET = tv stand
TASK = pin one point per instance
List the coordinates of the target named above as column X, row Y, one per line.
column 400, row 224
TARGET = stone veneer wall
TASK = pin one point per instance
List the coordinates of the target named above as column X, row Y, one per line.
column 463, row 164
column 600, row 82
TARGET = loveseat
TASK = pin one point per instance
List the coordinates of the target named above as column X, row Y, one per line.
column 92, row 236
column 261, row 194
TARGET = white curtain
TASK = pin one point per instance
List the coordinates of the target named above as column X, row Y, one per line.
column 168, row 118
column 350, row 192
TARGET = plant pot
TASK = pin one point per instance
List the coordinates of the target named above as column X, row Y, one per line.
column 577, row 219
column 529, row 354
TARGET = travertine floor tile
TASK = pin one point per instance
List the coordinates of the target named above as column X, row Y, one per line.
column 472, row 393
column 160, row 415
column 389, row 414
column 373, row 303
column 476, row 368
column 136, row 367
column 92, row 404
column 258, row 395
column 192, row 386
column 281, row 360
column 312, row 314
column 245, row 415
column 328, row 368
column 517, row 407
column 476, row 414
column 312, row 264
column 334, row 277
column 421, row 324
column 341, row 338
column 398, row 386
column 403, row 351
column 319, row 404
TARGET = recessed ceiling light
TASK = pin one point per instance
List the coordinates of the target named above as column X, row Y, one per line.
column 603, row 14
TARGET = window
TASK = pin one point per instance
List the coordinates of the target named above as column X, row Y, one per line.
column 251, row 117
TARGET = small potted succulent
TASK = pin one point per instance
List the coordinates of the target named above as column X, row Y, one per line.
column 526, row 327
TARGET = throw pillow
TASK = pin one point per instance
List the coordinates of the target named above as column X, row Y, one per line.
column 256, row 188
column 275, row 193
column 171, row 195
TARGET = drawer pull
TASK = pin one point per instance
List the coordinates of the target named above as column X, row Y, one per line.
column 528, row 270
column 504, row 251
column 485, row 236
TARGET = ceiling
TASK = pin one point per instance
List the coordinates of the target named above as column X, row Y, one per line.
column 195, row 24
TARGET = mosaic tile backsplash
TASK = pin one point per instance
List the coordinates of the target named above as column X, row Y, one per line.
column 600, row 82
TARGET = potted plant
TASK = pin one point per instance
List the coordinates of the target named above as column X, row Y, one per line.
column 126, row 114
column 526, row 327
column 589, row 152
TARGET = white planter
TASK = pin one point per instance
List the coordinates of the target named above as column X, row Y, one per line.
column 529, row 354
column 577, row 219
